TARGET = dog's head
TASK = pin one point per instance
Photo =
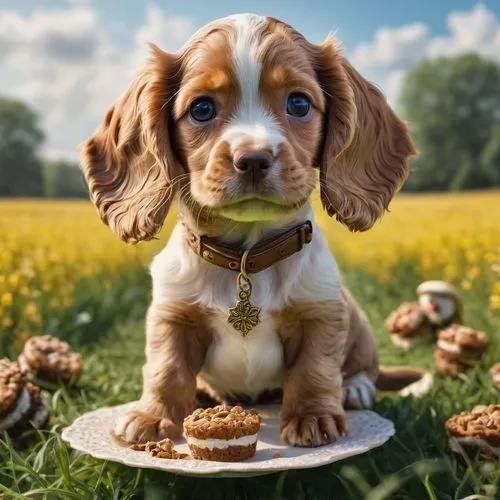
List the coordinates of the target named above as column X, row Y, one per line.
column 237, row 121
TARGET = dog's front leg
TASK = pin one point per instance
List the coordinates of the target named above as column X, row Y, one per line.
column 313, row 338
column 177, row 340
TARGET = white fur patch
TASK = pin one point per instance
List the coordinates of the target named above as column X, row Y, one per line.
column 251, row 119
column 244, row 365
column 234, row 363
column 359, row 392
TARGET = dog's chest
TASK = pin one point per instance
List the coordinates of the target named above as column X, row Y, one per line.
column 238, row 365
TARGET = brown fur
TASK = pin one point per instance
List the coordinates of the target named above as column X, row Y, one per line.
column 364, row 158
column 129, row 163
column 177, row 340
column 313, row 337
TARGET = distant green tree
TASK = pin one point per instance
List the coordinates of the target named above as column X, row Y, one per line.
column 453, row 107
column 490, row 158
column 20, row 140
column 64, row 180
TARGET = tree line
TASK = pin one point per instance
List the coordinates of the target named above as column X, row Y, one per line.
column 23, row 172
column 453, row 109
column 452, row 106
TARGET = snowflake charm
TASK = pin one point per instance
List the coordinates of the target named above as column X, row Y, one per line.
column 243, row 316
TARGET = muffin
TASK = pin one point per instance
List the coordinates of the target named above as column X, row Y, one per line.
column 20, row 401
column 495, row 374
column 407, row 325
column 49, row 358
column 222, row 433
column 475, row 433
column 458, row 348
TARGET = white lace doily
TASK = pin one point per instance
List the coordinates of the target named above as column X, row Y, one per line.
column 91, row 433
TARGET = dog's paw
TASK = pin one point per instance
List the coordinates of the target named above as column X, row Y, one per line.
column 140, row 426
column 359, row 392
column 314, row 430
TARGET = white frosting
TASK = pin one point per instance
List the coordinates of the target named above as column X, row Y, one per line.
column 22, row 407
column 480, row 443
column 406, row 342
column 222, row 443
column 449, row 347
column 41, row 415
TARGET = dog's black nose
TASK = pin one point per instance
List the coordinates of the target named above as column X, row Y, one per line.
column 255, row 163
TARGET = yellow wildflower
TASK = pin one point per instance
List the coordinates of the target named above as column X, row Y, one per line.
column 7, row 299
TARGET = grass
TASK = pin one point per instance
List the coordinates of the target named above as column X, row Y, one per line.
column 413, row 465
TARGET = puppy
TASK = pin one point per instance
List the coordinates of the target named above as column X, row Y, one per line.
column 247, row 300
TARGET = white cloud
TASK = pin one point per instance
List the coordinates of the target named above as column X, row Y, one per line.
column 386, row 58
column 168, row 32
column 477, row 30
column 392, row 46
column 63, row 63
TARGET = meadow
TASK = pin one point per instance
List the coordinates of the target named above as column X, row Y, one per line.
column 63, row 272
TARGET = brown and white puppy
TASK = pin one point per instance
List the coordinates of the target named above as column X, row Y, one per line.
column 232, row 127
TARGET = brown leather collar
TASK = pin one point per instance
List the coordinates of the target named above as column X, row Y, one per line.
column 260, row 257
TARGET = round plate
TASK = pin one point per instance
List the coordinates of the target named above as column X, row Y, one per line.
column 91, row 433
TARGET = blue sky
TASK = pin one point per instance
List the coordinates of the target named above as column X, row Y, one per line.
column 353, row 20
column 71, row 58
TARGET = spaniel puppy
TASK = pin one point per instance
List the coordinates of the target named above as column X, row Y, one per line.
column 247, row 299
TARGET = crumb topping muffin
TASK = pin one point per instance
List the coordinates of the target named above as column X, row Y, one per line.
column 48, row 357
column 476, row 432
column 11, row 383
column 407, row 325
column 15, row 401
column 405, row 320
column 495, row 374
column 222, row 433
column 458, row 348
column 20, row 401
column 463, row 340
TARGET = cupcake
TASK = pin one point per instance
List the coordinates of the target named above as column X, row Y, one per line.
column 458, row 348
column 20, row 401
column 49, row 358
column 495, row 374
column 475, row 433
column 407, row 325
column 222, row 433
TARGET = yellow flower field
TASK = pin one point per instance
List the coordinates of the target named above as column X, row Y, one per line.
column 50, row 252
column 48, row 249
column 455, row 237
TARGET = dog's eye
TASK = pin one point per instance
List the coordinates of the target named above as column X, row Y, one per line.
column 298, row 104
column 202, row 109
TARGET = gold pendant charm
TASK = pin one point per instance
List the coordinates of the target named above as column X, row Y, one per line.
column 243, row 316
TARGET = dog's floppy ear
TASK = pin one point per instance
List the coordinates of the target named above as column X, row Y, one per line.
column 366, row 147
column 128, row 163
